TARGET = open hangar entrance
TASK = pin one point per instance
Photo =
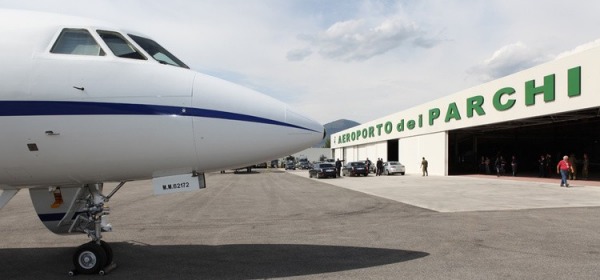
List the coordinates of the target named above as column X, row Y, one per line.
column 570, row 133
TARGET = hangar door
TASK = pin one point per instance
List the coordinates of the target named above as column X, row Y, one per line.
column 572, row 133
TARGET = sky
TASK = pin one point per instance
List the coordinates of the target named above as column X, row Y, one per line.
column 351, row 59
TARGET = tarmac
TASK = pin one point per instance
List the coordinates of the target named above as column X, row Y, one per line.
column 273, row 224
column 474, row 192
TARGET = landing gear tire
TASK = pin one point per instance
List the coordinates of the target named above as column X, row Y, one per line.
column 109, row 252
column 90, row 258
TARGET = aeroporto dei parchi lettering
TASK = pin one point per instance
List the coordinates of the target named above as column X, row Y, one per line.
column 502, row 100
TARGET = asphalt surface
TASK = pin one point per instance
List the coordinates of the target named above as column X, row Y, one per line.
column 276, row 224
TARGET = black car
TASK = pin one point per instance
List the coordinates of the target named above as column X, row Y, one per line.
column 304, row 165
column 290, row 165
column 322, row 170
column 355, row 168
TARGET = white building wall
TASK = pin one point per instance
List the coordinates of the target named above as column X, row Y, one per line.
column 434, row 147
column 362, row 152
column 371, row 152
column 501, row 100
column 351, row 153
column 379, row 151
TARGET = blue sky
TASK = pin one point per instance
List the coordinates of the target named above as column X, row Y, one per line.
column 357, row 60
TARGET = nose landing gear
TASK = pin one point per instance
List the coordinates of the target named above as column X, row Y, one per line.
column 95, row 256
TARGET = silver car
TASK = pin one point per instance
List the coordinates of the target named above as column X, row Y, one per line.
column 393, row 167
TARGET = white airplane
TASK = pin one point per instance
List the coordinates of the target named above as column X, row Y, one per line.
column 83, row 102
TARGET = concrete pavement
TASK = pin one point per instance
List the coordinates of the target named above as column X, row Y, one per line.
column 472, row 193
column 279, row 225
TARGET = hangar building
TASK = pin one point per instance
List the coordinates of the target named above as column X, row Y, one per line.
column 551, row 109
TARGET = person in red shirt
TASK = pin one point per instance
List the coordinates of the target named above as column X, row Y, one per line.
column 563, row 169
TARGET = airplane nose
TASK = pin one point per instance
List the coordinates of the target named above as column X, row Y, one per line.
column 315, row 132
column 236, row 126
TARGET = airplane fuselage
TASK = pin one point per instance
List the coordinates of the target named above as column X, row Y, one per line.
column 83, row 103
column 68, row 118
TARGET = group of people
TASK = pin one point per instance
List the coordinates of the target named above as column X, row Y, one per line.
column 545, row 166
column 378, row 166
column 567, row 167
column 570, row 165
column 500, row 165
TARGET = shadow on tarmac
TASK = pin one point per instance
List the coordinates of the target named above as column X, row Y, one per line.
column 245, row 172
column 239, row 261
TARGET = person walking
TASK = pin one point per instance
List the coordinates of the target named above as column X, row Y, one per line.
column 563, row 168
column 424, row 165
column 549, row 165
column 499, row 163
column 573, row 163
column 338, row 167
column 368, row 164
column 513, row 166
column 542, row 166
column 586, row 167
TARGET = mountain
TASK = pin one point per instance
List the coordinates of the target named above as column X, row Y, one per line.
column 335, row 127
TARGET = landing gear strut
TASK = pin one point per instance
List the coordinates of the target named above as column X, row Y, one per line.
column 95, row 256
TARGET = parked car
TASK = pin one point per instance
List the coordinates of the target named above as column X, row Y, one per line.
column 322, row 170
column 355, row 168
column 261, row 165
column 304, row 165
column 393, row 167
column 248, row 169
column 290, row 165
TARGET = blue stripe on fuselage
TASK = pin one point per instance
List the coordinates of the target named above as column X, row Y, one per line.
column 70, row 108
column 51, row 217
column 56, row 216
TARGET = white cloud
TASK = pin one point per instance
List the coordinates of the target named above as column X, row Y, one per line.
column 580, row 48
column 362, row 39
column 518, row 56
column 298, row 54
column 509, row 59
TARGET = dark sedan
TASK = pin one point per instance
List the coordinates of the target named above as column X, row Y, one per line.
column 322, row 170
column 290, row 165
column 304, row 165
column 355, row 168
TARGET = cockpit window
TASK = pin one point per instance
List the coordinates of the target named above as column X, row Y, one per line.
column 76, row 41
column 158, row 52
column 119, row 45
